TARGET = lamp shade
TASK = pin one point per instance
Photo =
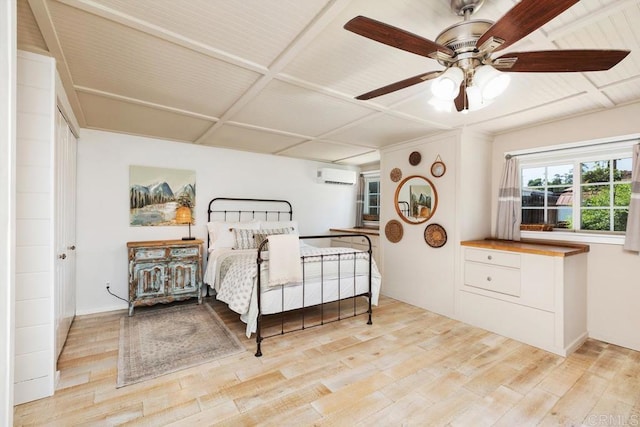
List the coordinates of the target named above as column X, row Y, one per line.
column 447, row 85
column 490, row 81
column 183, row 215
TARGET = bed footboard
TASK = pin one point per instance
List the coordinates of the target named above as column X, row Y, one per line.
column 353, row 293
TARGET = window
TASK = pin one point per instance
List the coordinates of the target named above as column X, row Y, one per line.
column 578, row 189
column 371, row 209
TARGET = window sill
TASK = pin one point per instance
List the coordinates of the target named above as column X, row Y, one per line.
column 569, row 236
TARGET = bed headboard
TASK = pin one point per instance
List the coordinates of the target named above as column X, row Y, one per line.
column 240, row 209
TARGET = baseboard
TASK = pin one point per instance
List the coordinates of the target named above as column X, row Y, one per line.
column 101, row 310
column 576, row 344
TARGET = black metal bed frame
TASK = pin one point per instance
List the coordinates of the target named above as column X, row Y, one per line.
column 260, row 259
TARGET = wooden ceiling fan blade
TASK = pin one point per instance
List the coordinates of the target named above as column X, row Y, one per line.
column 395, row 37
column 462, row 101
column 523, row 19
column 399, row 85
column 559, row 61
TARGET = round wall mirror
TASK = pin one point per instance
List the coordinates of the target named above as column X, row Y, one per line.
column 416, row 199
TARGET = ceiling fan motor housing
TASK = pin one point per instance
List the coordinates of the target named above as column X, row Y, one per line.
column 464, row 7
column 461, row 38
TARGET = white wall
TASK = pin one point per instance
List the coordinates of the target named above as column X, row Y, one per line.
column 103, row 201
column 613, row 288
column 414, row 272
column 7, row 210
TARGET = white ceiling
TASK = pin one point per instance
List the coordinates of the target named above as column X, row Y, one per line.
column 279, row 76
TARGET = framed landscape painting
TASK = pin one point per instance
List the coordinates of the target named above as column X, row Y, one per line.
column 155, row 194
column 420, row 200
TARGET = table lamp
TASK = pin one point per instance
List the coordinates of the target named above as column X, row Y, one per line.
column 183, row 216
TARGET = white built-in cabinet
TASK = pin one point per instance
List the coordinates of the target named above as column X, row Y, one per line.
column 530, row 292
column 45, row 226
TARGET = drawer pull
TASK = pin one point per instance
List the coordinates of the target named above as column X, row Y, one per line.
column 489, row 257
column 489, row 279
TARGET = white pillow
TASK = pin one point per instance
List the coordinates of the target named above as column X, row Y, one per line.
column 270, row 225
column 221, row 234
column 263, row 234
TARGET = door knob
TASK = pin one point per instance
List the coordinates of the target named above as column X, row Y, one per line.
column 63, row 256
column 72, row 247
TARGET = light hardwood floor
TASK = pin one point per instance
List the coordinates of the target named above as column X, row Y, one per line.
column 411, row 367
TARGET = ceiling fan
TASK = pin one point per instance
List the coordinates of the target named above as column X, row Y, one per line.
column 472, row 78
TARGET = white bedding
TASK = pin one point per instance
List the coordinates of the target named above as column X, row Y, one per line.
column 232, row 273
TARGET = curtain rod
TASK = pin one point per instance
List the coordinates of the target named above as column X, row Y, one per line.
column 508, row 156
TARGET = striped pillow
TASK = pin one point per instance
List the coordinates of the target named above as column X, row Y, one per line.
column 243, row 238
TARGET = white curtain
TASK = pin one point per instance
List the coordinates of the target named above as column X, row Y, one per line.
column 360, row 202
column 632, row 238
column 509, row 202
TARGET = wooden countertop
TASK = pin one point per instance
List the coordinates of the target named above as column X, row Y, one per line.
column 370, row 231
column 560, row 249
column 152, row 243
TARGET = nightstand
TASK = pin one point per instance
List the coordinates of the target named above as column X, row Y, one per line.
column 163, row 271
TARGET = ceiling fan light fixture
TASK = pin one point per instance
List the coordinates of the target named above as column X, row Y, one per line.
column 441, row 105
column 474, row 95
column 492, row 83
column 447, row 85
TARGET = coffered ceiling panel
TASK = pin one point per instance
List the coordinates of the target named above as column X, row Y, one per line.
column 564, row 108
column 227, row 25
column 110, row 114
column 299, row 110
column 248, row 139
column 326, row 151
column 105, row 56
column 29, row 35
column 619, row 30
column 384, row 130
column 624, row 93
column 368, row 158
column 280, row 76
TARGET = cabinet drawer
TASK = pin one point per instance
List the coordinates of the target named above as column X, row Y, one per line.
column 504, row 259
column 492, row 278
column 341, row 241
column 359, row 240
column 149, row 253
column 185, row 252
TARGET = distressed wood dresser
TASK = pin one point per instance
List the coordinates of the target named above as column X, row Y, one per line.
column 163, row 271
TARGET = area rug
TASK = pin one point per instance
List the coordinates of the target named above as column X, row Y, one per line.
column 162, row 340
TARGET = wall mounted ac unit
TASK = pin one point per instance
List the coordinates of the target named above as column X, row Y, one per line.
column 337, row 176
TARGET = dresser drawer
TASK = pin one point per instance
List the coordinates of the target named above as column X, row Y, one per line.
column 503, row 259
column 190, row 251
column 492, row 278
column 149, row 253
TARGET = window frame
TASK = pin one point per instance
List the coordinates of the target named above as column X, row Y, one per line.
column 372, row 176
column 577, row 154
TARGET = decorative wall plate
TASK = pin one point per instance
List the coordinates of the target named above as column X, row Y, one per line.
column 435, row 235
column 414, row 158
column 438, row 168
column 396, row 174
column 394, row 231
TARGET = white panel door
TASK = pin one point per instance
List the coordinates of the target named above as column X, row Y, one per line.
column 64, row 230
